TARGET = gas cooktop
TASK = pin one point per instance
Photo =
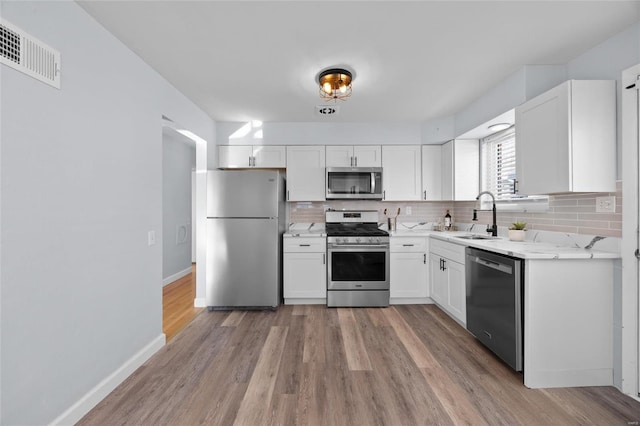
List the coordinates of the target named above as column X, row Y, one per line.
column 354, row 230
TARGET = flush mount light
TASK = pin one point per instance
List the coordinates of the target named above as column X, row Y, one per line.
column 499, row 126
column 335, row 83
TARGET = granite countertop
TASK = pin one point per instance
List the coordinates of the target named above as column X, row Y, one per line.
column 537, row 245
column 527, row 249
column 306, row 230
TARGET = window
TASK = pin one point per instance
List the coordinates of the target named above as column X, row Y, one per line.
column 498, row 153
column 498, row 175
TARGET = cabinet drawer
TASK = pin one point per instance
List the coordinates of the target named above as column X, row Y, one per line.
column 451, row 251
column 304, row 244
column 408, row 244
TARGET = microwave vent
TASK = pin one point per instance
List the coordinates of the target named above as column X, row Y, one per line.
column 29, row 55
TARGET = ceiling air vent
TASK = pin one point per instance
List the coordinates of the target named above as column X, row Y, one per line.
column 29, row 55
column 327, row 110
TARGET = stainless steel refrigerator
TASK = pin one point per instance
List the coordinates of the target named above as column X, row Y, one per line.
column 245, row 223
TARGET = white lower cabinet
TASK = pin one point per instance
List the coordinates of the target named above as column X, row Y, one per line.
column 447, row 278
column 304, row 270
column 409, row 269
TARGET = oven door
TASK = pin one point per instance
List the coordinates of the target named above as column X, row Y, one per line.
column 358, row 267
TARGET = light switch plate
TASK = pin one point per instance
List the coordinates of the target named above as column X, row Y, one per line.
column 606, row 204
column 408, row 210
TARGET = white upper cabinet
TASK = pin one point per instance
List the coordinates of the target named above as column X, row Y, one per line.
column 237, row 156
column 431, row 172
column 566, row 139
column 460, row 170
column 402, row 174
column 306, row 173
column 247, row 156
column 354, row 156
column 269, row 156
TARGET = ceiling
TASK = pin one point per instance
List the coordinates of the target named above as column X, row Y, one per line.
column 413, row 61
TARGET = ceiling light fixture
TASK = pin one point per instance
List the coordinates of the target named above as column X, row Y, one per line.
column 499, row 126
column 335, row 83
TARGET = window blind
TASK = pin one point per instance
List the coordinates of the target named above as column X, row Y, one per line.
column 498, row 153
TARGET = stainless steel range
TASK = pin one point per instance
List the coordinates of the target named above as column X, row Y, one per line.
column 358, row 266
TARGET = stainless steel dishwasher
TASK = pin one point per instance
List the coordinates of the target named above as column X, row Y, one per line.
column 494, row 303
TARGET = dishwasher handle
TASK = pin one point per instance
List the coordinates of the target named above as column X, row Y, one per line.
column 507, row 269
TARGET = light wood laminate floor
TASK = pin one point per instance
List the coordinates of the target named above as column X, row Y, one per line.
column 177, row 304
column 402, row 365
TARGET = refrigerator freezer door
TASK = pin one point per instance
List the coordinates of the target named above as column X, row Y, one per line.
column 243, row 263
column 243, row 193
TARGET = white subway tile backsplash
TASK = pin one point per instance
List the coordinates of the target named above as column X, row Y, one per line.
column 570, row 213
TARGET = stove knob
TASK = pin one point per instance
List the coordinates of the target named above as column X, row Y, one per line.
column 357, row 240
column 371, row 240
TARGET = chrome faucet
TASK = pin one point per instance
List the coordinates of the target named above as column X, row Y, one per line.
column 494, row 227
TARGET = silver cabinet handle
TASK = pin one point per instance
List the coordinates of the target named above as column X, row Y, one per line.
column 304, row 245
column 425, row 194
column 287, row 195
column 249, row 161
column 351, row 158
column 324, row 258
column 425, row 258
column 407, row 245
column 384, row 195
column 356, row 162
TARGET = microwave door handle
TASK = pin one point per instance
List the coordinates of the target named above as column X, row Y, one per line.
column 373, row 182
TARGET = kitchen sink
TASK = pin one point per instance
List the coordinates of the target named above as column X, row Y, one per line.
column 477, row 237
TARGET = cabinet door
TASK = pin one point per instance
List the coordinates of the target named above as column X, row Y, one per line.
column 457, row 295
column 305, row 173
column 466, row 169
column 401, row 177
column 432, row 172
column 408, row 275
column 438, row 280
column 339, row 156
column 305, row 275
column 234, row 157
column 447, row 171
column 367, row 155
column 270, row 157
column 542, row 143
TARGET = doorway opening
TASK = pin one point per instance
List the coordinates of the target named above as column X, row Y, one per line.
column 178, row 230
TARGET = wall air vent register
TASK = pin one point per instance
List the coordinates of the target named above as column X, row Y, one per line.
column 29, row 55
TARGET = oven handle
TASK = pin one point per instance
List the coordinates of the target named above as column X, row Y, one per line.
column 363, row 247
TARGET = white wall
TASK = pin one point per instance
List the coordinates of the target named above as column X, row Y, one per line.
column 80, row 177
column 178, row 161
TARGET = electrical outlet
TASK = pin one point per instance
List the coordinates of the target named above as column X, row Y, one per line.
column 606, row 204
column 151, row 237
column 408, row 210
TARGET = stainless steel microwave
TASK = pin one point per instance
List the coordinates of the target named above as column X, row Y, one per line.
column 354, row 183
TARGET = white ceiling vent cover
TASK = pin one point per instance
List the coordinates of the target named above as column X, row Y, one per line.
column 29, row 55
column 327, row 110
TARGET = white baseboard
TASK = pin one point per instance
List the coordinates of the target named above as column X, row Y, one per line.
column 74, row 413
column 176, row 276
column 199, row 302
column 410, row 301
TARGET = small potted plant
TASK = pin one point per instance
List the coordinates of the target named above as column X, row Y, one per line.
column 516, row 231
